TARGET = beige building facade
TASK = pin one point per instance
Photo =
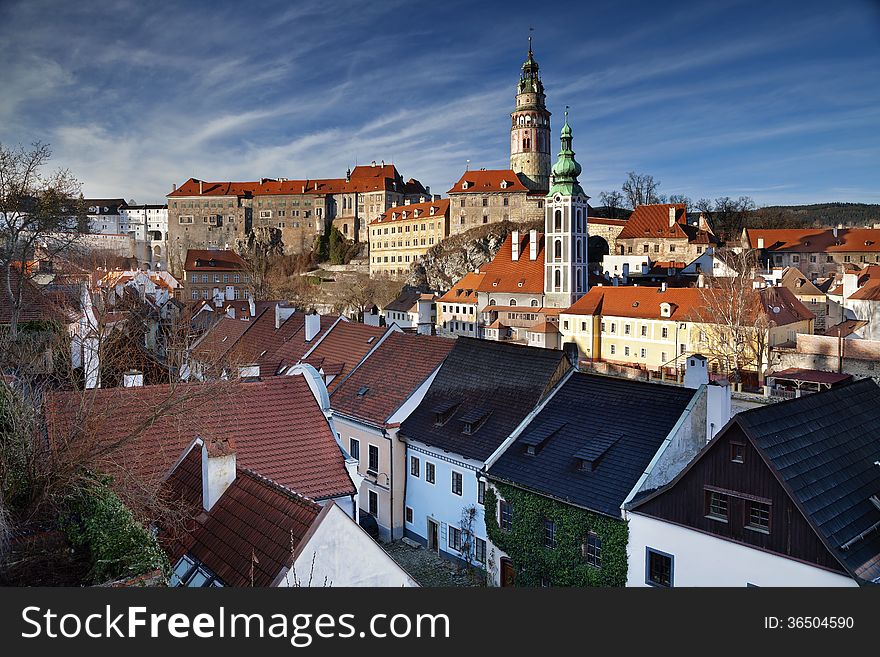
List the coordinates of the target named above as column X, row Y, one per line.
column 404, row 233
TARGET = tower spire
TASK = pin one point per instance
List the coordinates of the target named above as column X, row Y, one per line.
column 566, row 170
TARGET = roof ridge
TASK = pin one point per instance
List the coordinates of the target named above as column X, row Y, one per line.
column 281, row 488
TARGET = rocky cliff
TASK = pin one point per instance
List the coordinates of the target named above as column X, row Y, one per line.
column 452, row 258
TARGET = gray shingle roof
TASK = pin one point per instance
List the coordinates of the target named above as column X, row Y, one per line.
column 482, row 379
column 825, row 449
column 616, row 424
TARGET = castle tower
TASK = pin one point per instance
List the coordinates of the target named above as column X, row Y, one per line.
column 565, row 230
column 530, row 129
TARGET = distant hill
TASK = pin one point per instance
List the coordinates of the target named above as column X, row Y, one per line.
column 818, row 215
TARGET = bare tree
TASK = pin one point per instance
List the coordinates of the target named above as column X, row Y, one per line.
column 613, row 202
column 733, row 321
column 640, row 189
column 40, row 213
column 729, row 216
column 680, row 199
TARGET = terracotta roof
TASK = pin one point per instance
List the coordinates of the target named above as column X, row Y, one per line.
column 213, row 260
column 395, row 214
column 465, row 290
column 484, row 181
column 644, row 303
column 606, row 222
column 869, row 292
column 545, row 327
column 504, row 275
column 255, row 526
column 212, row 348
column 653, row 221
column 39, row 304
column 810, row 376
column 845, row 328
column 278, row 427
column 342, row 348
column 816, row 240
column 793, row 279
column 291, row 344
column 371, row 394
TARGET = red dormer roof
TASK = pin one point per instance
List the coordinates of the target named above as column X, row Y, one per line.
column 213, row 260
column 465, row 291
column 414, row 211
column 484, row 181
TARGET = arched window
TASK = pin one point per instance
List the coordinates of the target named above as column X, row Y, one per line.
column 491, row 302
column 557, row 280
column 527, row 144
column 580, row 281
column 534, row 303
column 580, row 227
column 557, row 249
column 513, row 302
column 557, row 220
column 579, row 250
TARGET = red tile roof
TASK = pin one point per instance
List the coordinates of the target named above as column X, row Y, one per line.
column 278, row 427
column 414, row 212
column 485, row 181
column 869, row 292
column 342, row 348
column 686, row 302
column 524, row 276
column 293, row 345
column 810, row 376
column 38, row 304
column 213, row 260
column 606, row 222
column 816, row 240
column 249, row 535
column 652, row 221
column 465, row 291
column 372, row 394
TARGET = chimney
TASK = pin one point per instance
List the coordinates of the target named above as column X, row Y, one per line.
column 218, row 469
column 313, row 326
column 834, row 231
column 282, row 313
column 249, row 372
column 173, row 187
column 663, row 286
column 850, row 285
column 718, row 408
column 230, row 311
column 201, row 187
column 133, row 379
column 533, row 244
column 672, row 216
column 252, row 307
column 514, row 246
column 625, row 271
column 616, row 281
column 760, row 242
column 696, row 373
column 428, row 190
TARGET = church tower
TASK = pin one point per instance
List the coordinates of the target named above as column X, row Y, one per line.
column 565, row 230
column 530, row 129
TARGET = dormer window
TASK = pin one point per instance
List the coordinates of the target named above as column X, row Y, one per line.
column 504, row 184
column 666, row 309
column 473, row 420
column 465, row 185
column 433, row 210
column 444, row 411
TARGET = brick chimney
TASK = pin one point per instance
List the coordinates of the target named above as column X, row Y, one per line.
column 218, row 469
column 533, row 244
column 514, row 246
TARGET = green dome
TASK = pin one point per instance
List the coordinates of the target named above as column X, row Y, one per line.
column 566, row 170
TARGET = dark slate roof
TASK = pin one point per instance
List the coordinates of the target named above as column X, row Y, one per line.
column 616, row 424
column 483, row 379
column 824, row 448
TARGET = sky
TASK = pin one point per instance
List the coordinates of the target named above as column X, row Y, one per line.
column 775, row 100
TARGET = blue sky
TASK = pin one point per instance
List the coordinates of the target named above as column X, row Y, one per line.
column 776, row 100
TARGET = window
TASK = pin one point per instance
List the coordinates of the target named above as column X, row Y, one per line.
column 644, row 353
column 613, row 327
column 429, row 472
column 414, row 466
column 626, row 329
column 505, row 515
column 373, row 503
column 717, row 505
column 612, row 350
column 644, row 331
column 481, row 491
column 409, row 514
column 626, row 351
column 759, row 516
column 658, row 568
column 373, row 463
column 480, row 550
column 188, row 572
column 354, row 446
column 549, row 534
column 665, row 332
column 456, row 482
column 591, row 549
column 454, row 538
column 737, row 452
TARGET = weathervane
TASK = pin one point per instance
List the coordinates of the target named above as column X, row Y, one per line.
column 531, row 29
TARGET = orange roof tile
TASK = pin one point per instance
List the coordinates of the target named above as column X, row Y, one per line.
column 213, row 260
column 414, row 212
column 505, row 275
column 342, row 348
column 652, row 221
column 465, row 291
column 816, row 240
column 484, row 181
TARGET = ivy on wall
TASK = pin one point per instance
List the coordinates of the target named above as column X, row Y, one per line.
column 564, row 564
